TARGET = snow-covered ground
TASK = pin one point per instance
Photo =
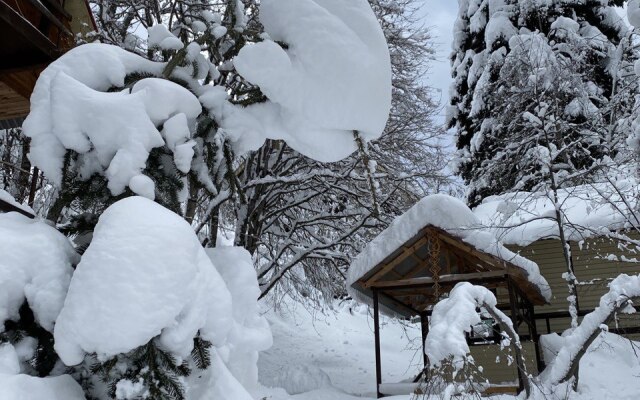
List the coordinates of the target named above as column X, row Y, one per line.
column 331, row 357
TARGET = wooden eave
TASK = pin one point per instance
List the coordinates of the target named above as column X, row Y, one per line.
column 33, row 33
column 406, row 284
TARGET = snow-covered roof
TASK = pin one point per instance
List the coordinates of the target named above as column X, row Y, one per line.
column 450, row 215
column 521, row 218
column 12, row 205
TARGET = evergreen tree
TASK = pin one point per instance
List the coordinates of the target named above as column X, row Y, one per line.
column 579, row 48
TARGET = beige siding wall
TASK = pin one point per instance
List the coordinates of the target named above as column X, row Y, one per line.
column 81, row 22
column 593, row 270
column 495, row 362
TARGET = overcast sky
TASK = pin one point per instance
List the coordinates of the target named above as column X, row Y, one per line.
column 440, row 15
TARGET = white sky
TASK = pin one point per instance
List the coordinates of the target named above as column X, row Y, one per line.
column 440, row 15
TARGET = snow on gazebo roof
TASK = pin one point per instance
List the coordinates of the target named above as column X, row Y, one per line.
column 521, row 218
column 447, row 214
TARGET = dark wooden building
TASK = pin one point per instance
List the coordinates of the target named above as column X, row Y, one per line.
column 33, row 33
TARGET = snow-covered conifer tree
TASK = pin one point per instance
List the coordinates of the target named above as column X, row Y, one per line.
column 510, row 57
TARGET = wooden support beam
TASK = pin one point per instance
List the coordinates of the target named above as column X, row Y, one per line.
column 424, row 329
column 533, row 331
column 8, row 207
column 58, row 7
column 514, row 320
column 397, row 260
column 422, row 281
column 466, row 248
column 393, row 299
column 376, row 333
column 24, row 28
column 49, row 15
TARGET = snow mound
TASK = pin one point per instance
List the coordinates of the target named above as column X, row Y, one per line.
column 25, row 387
column 217, row 382
column 250, row 332
column 335, row 76
column 36, row 265
column 521, row 218
column 145, row 274
column 16, row 386
column 297, row 378
column 450, row 214
column 9, row 362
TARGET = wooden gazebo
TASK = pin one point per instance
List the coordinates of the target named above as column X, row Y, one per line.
column 410, row 280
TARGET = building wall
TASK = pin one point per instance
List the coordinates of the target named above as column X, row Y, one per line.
column 82, row 21
column 594, row 269
column 496, row 365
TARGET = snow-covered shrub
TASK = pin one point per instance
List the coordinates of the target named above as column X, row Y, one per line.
column 148, row 303
column 452, row 369
column 144, row 309
column 35, row 269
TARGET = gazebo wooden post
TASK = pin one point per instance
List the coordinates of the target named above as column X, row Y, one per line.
column 514, row 318
column 535, row 337
column 376, row 332
column 424, row 327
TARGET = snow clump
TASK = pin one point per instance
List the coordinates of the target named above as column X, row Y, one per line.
column 334, row 78
column 36, row 265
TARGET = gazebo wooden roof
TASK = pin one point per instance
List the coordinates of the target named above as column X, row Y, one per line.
column 412, row 278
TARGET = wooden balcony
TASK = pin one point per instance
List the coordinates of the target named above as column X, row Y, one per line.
column 33, row 33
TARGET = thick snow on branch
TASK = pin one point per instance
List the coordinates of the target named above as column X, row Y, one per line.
column 334, row 76
column 112, row 132
column 621, row 290
column 145, row 274
column 633, row 13
column 97, row 67
column 35, row 264
column 250, row 332
column 8, row 198
column 455, row 316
